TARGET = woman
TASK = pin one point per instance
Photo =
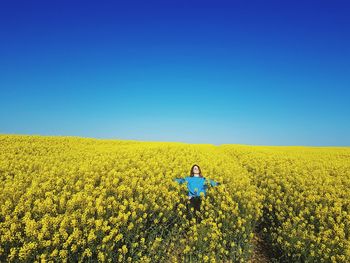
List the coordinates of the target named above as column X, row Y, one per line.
column 196, row 184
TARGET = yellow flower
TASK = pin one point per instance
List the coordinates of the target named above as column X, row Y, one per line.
column 131, row 226
column 124, row 249
column 187, row 249
column 101, row 257
column 88, row 252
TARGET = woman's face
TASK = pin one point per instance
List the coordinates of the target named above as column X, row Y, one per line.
column 195, row 170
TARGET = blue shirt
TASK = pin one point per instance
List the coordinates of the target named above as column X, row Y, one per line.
column 196, row 185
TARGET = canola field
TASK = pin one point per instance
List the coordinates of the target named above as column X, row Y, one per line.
column 71, row 199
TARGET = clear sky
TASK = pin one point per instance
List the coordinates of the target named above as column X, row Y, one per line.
column 241, row 72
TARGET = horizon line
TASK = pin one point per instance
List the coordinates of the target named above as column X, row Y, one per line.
column 180, row 142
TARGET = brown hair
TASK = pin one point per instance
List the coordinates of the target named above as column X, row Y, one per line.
column 200, row 172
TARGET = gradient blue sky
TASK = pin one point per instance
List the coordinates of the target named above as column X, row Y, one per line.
column 241, row 72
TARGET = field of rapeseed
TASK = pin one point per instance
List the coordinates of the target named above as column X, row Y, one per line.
column 79, row 199
column 306, row 203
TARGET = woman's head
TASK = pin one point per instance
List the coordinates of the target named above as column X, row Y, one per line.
column 196, row 170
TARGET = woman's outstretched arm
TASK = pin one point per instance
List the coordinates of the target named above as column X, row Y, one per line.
column 214, row 183
column 179, row 180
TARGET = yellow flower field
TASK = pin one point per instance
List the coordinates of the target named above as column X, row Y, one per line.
column 306, row 199
column 80, row 199
column 75, row 199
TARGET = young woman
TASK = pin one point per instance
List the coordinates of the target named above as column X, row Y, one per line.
column 196, row 184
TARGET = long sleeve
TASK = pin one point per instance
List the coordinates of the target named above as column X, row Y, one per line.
column 179, row 180
column 213, row 183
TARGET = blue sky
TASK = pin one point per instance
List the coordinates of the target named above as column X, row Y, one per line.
column 241, row 72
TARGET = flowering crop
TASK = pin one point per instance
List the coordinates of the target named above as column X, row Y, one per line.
column 306, row 199
column 78, row 199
